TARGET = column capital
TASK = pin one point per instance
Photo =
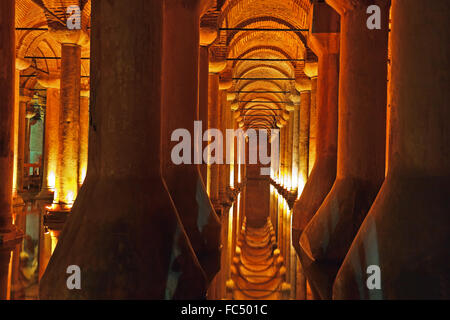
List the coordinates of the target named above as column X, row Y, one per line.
column 207, row 36
column 225, row 84
column 66, row 36
column 303, row 84
column 311, row 69
column 52, row 81
column 341, row 6
column 344, row 6
column 22, row 64
column 217, row 66
column 324, row 34
column 295, row 98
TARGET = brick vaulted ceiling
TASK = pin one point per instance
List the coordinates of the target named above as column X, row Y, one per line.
column 251, row 45
column 259, row 49
column 34, row 44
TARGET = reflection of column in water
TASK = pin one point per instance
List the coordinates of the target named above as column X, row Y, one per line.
column 5, row 274
column 16, row 291
column 45, row 250
column 16, row 286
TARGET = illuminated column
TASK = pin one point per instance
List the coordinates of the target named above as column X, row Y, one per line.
column 84, row 136
column 225, row 168
column 134, row 225
column 361, row 152
column 51, row 140
column 289, row 148
column 180, row 67
column 202, row 111
column 304, row 87
column 23, row 103
column 7, row 92
column 295, row 148
column 224, row 196
column 213, row 181
column 282, row 156
column 29, row 113
column 235, row 185
column 69, row 126
column 18, row 203
column 311, row 69
column 406, row 232
column 206, row 37
column 321, row 179
column 8, row 233
column 213, row 123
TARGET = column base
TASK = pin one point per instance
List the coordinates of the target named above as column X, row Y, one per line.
column 338, row 220
column 56, row 216
column 406, row 234
column 316, row 189
column 45, row 194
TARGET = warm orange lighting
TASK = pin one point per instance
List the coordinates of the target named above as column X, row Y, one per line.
column 54, row 240
column 301, row 186
column 70, row 199
column 51, row 180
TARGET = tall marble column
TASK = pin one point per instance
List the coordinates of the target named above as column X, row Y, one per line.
column 24, row 99
column 18, row 203
column 206, row 37
column 321, row 179
column 124, row 222
column 406, row 233
column 361, row 152
column 180, row 104
column 84, row 136
column 304, row 87
column 51, row 139
column 310, row 70
column 8, row 233
column 213, row 123
column 295, row 148
column 69, row 126
column 7, row 87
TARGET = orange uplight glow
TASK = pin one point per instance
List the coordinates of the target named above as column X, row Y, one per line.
column 51, row 180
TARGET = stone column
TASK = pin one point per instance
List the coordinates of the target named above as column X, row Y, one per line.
column 310, row 70
column 69, row 126
column 202, row 112
column 206, row 37
column 180, row 105
column 51, row 140
column 23, row 103
column 295, row 147
column 215, row 289
column 304, row 87
column 18, row 203
column 213, row 123
column 406, row 232
column 326, row 46
column 7, row 85
column 132, row 225
column 290, row 146
column 84, row 136
column 225, row 168
column 282, row 155
column 361, row 152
